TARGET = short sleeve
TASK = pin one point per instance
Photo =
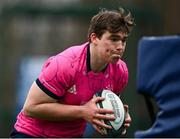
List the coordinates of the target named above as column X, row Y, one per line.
column 55, row 77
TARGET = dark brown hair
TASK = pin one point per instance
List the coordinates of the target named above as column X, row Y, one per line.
column 111, row 20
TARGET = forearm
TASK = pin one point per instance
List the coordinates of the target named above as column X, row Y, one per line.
column 54, row 111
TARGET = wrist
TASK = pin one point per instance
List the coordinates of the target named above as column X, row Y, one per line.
column 82, row 113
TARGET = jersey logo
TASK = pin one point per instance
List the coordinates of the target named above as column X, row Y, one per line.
column 73, row 89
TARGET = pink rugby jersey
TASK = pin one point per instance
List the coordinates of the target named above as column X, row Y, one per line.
column 68, row 77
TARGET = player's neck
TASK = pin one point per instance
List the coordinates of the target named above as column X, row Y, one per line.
column 97, row 64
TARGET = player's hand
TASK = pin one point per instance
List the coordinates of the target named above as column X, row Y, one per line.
column 127, row 120
column 94, row 115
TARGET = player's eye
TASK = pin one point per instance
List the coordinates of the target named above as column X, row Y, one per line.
column 124, row 40
column 115, row 39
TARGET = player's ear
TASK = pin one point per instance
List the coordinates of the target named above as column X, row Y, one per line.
column 93, row 38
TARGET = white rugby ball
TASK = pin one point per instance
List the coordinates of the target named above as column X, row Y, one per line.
column 113, row 102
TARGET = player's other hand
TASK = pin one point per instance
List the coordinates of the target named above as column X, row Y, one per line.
column 127, row 120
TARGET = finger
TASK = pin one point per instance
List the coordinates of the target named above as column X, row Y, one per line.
column 97, row 99
column 101, row 124
column 98, row 129
column 126, row 125
column 128, row 118
column 123, row 132
column 126, row 107
column 103, row 116
column 105, row 111
column 103, row 130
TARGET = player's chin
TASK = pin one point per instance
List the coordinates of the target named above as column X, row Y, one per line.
column 115, row 59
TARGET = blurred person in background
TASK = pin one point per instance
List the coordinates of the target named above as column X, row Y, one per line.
column 60, row 102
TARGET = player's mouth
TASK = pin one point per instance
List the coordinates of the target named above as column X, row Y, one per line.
column 117, row 55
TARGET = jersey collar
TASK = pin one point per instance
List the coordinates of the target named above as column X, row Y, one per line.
column 88, row 60
column 88, row 64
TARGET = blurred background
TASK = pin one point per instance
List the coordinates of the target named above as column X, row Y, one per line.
column 32, row 30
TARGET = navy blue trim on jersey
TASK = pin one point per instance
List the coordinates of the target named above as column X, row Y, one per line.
column 45, row 90
column 15, row 134
column 88, row 59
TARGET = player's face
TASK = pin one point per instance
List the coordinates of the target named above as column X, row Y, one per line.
column 111, row 46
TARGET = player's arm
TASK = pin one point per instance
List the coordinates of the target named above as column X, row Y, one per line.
column 39, row 105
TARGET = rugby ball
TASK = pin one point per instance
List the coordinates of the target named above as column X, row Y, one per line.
column 113, row 102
